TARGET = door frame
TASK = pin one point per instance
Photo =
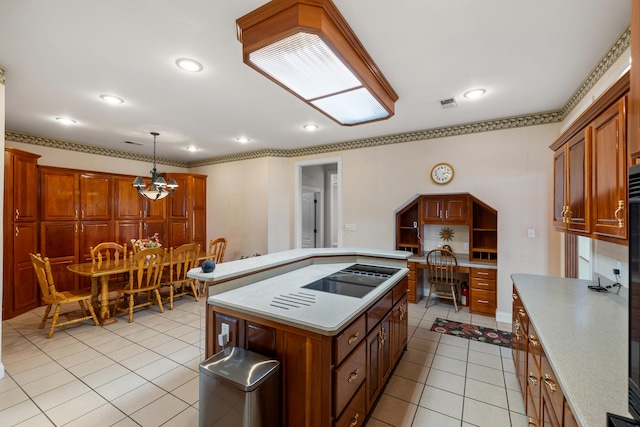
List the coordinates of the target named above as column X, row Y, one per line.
column 298, row 196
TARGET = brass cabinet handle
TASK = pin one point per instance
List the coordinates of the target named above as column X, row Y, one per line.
column 440, row 214
column 515, row 296
column 17, row 231
column 403, row 311
column 82, row 213
column 549, row 383
column 482, row 273
column 353, row 338
column 533, row 378
column 517, row 332
column 483, row 301
column 617, row 212
column 82, row 228
column 353, row 375
column 482, row 284
column 563, row 214
column 531, row 422
column 568, row 215
column 17, row 214
column 76, row 228
column 76, row 213
column 354, row 421
column 522, row 312
column 446, row 214
column 533, row 340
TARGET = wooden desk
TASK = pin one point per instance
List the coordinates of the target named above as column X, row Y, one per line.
column 478, row 296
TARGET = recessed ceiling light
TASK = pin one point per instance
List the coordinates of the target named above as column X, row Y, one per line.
column 243, row 139
column 111, row 99
column 192, row 148
column 65, row 120
column 310, row 127
column 474, row 93
column 189, row 64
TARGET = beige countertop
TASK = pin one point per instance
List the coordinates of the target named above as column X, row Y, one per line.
column 585, row 336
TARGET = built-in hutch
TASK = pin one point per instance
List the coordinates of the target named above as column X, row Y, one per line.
column 62, row 212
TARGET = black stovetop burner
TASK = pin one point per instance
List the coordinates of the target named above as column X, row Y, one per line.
column 355, row 281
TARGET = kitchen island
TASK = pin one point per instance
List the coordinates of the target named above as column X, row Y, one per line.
column 570, row 350
column 336, row 351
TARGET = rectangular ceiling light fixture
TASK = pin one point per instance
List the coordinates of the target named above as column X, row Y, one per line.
column 308, row 48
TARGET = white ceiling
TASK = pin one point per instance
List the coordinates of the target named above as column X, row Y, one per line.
column 60, row 55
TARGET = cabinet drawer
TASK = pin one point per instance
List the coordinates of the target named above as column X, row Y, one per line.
column 354, row 414
column 349, row 376
column 349, row 339
column 483, row 284
column 483, row 273
column 483, row 302
column 400, row 290
column 379, row 310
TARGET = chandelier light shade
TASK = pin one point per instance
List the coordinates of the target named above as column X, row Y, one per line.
column 307, row 47
column 158, row 189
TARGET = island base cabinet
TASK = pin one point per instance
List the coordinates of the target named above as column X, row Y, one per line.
column 326, row 380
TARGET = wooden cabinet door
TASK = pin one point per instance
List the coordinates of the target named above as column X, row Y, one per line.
column 559, row 188
column 59, row 242
column 24, row 289
column 23, row 187
column 96, row 195
column 199, row 192
column 59, row 195
column 179, row 233
column 155, row 210
column 128, row 203
column 125, row 231
column 260, row 339
column 455, row 209
column 399, row 329
column 386, row 358
column 609, row 172
column 578, row 182
column 151, row 227
column 178, row 202
column 92, row 233
column 432, row 210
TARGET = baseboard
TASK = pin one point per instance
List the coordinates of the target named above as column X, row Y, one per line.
column 504, row 317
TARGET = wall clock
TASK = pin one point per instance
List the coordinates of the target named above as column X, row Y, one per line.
column 442, row 173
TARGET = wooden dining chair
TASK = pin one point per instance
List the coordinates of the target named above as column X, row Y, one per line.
column 50, row 296
column 442, row 272
column 181, row 260
column 216, row 249
column 110, row 253
column 145, row 273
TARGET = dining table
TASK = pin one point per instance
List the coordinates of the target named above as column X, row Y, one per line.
column 101, row 273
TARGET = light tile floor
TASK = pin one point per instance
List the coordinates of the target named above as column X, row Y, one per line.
column 146, row 373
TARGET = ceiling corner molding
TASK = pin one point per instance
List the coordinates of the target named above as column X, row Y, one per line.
column 619, row 46
column 85, row 148
column 3, row 74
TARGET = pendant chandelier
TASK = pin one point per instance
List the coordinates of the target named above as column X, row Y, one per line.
column 158, row 189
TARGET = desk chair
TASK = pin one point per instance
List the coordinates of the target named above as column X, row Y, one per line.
column 181, row 260
column 442, row 271
column 145, row 273
column 50, row 297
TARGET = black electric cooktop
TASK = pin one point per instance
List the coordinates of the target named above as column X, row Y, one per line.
column 355, row 281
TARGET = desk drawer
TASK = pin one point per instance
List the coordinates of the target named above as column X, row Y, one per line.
column 350, row 338
column 483, row 273
column 483, row 302
column 379, row 310
column 483, row 284
column 349, row 376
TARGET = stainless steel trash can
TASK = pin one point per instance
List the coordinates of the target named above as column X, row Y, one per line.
column 239, row 388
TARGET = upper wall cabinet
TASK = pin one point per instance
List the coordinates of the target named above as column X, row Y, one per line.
column 572, row 184
column 445, row 209
column 590, row 169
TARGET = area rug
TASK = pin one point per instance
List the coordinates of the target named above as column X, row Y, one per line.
column 472, row 332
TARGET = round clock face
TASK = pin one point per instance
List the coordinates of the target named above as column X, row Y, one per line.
column 442, row 173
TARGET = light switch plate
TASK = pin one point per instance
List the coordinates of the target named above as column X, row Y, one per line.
column 531, row 233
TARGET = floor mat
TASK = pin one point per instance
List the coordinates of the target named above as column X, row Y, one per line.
column 472, row 332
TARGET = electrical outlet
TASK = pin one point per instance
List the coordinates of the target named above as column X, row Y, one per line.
column 619, row 266
column 466, row 246
column 350, row 227
column 415, row 224
column 225, row 330
column 531, row 233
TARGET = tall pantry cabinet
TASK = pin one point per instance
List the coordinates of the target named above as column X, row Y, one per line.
column 20, row 293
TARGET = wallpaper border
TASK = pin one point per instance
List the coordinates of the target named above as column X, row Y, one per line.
column 616, row 50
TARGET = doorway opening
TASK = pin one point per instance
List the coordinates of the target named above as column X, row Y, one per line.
column 318, row 203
